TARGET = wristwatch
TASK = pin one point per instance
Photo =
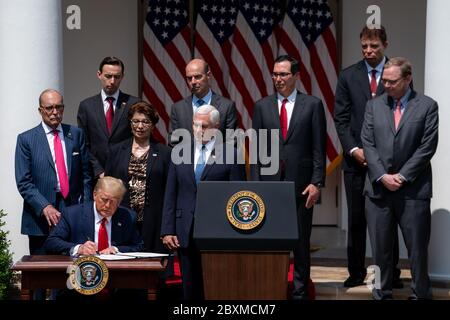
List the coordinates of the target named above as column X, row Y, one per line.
column 319, row 185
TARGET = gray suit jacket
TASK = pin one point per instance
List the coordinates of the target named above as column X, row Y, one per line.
column 302, row 154
column 181, row 114
column 407, row 151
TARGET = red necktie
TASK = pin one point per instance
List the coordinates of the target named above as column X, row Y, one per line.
column 102, row 236
column 373, row 83
column 397, row 114
column 283, row 119
column 110, row 113
column 60, row 164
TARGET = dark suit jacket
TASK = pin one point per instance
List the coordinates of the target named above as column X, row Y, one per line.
column 157, row 170
column 77, row 226
column 181, row 193
column 181, row 114
column 352, row 94
column 91, row 118
column 302, row 154
column 407, row 151
column 36, row 174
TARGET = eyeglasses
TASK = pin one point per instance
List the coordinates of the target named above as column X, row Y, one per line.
column 49, row 109
column 391, row 82
column 145, row 123
column 282, row 75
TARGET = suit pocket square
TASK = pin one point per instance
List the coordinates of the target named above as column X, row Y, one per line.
column 75, row 153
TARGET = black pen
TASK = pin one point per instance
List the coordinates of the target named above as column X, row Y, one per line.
column 89, row 239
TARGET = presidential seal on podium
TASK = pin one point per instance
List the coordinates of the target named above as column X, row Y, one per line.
column 88, row 275
column 245, row 210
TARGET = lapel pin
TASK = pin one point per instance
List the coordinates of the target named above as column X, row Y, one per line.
column 119, row 224
column 155, row 154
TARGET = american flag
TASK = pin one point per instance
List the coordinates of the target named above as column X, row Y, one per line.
column 167, row 50
column 237, row 39
column 308, row 33
column 240, row 41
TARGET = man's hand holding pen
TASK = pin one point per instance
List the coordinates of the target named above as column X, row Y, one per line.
column 87, row 248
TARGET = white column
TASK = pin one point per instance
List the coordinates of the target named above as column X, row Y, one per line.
column 437, row 84
column 30, row 61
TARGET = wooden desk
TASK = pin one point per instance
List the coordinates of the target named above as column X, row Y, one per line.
column 51, row 272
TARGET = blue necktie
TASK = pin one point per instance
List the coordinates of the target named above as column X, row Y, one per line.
column 200, row 164
column 200, row 102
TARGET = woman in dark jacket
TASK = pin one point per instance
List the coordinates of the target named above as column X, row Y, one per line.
column 142, row 164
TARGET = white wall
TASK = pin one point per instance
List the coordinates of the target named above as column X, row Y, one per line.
column 108, row 28
column 404, row 20
column 31, row 61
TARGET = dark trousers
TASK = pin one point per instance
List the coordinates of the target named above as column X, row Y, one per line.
column 357, row 227
column 302, row 258
column 414, row 218
column 36, row 247
column 191, row 272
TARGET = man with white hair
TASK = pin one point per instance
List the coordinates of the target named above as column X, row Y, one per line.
column 180, row 199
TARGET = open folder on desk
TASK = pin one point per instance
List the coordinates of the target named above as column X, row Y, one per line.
column 131, row 255
column 142, row 254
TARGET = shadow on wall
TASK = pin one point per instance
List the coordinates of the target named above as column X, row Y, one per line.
column 439, row 253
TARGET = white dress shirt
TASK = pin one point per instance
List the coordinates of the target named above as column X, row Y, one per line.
column 106, row 103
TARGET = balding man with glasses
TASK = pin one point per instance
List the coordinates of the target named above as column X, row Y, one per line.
column 198, row 77
column 52, row 172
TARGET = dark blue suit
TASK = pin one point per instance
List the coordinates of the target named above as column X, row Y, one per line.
column 36, row 175
column 179, row 211
column 77, row 226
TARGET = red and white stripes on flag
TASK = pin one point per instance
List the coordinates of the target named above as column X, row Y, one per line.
column 236, row 38
column 240, row 40
column 308, row 34
column 166, row 51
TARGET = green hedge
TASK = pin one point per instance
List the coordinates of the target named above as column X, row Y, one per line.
column 5, row 260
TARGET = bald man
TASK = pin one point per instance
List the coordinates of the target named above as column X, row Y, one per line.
column 198, row 77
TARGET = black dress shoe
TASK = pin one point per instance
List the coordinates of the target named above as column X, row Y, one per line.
column 397, row 284
column 300, row 297
column 354, row 282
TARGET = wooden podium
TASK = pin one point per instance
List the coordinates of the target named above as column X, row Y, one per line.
column 249, row 264
column 244, row 275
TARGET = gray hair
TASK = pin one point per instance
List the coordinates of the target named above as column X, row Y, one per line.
column 402, row 63
column 214, row 115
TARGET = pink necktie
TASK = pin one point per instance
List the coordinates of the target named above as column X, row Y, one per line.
column 109, row 113
column 283, row 119
column 60, row 164
column 102, row 236
column 397, row 114
column 373, row 83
